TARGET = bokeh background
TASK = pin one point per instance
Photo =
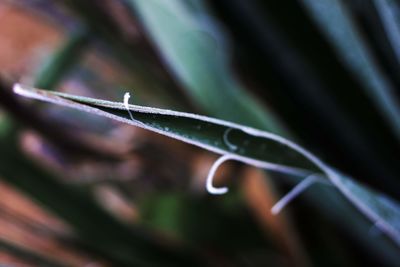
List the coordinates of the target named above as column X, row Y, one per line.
column 81, row 190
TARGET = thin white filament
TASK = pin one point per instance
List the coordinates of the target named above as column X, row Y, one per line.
column 297, row 190
column 126, row 104
column 209, row 183
column 229, row 144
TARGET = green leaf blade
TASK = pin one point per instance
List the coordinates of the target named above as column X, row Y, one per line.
column 286, row 157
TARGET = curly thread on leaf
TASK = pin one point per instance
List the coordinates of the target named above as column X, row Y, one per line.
column 209, row 183
column 226, row 141
column 126, row 104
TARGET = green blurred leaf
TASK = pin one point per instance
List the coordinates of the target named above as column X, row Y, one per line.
column 5, row 125
column 333, row 18
column 389, row 12
column 196, row 53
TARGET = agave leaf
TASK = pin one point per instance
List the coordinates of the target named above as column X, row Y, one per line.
column 238, row 142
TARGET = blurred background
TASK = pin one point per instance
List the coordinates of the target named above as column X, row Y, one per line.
column 81, row 190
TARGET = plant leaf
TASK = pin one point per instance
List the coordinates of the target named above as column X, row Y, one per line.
column 242, row 143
